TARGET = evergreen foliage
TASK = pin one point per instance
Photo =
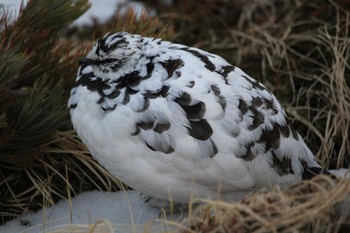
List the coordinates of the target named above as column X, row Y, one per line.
column 31, row 74
column 34, row 65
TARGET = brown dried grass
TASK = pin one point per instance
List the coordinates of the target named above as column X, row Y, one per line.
column 319, row 205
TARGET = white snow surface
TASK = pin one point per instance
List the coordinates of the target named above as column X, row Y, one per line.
column 100, row 10
column 11, row 7
column 341, row 172
column 103, row 10
column 126, row 210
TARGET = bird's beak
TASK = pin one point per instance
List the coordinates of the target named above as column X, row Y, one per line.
column 86, row 61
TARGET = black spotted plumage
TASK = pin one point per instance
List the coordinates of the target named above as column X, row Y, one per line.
column 168, row 119
column 172, row 65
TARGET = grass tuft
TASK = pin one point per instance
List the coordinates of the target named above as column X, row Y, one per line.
column 319, row 205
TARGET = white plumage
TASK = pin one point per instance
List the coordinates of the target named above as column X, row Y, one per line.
column 177, row 122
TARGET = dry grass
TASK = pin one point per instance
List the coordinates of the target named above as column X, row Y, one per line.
column 102, row 226
column 68, row 170
column 319, row 205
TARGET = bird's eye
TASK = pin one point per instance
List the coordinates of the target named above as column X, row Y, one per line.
column 109, row 60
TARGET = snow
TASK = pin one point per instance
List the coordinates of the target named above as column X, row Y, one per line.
column 12, row 7
column 103, row 12
column 125, row 210
column 341, row 172
column 100, row 10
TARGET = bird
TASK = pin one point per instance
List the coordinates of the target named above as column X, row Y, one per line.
column 176, row 122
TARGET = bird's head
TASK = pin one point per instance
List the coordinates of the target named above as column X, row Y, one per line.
column 115, row 53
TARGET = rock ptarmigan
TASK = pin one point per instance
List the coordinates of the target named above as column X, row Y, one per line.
column 176, row 122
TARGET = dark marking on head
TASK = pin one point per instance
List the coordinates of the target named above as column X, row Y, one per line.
column 270, row 137
column 172, row 65
column 163, row 92
column 200, row 129
column 98, row 42
column 208, row 64
column 92, row 83
column 195, row 111
column 161, row 127
column 82, row 67
column 103, row 64
column 115, row 41
column 113, row 65
column 107, row 47
column 217, row 93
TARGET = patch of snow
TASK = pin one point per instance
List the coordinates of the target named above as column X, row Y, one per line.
column 341, row 172
column 11, row 7
column 100, row 10
column 126, row 210
column 103, row 10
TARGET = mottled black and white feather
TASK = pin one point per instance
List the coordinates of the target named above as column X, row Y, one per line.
column 171, row 120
